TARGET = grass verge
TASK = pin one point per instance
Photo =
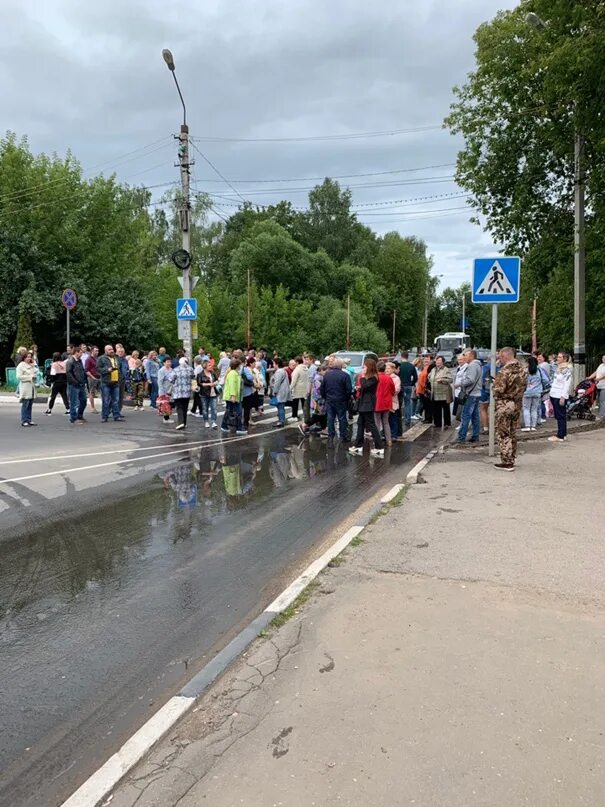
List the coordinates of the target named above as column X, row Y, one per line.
column 287, row 614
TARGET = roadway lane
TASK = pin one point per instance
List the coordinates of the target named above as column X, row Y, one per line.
column 119, row 581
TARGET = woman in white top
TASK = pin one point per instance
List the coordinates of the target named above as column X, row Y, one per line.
column 599, row 377
column 26, row 376
column 559, row 393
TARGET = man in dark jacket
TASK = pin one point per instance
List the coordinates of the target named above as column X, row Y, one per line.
column 76, row 386
column 109, row 369
column 336, row 390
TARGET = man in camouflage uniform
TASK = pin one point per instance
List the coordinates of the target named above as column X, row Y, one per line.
column 509, row 387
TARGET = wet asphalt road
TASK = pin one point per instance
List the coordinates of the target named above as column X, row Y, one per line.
column 129, row 557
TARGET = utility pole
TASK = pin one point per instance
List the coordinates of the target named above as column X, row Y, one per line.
column 185, row 210
column 464, row 314
column 425, row 325
column 248, row 329
column 534, row 325
column 579, row 264
column 348, row 321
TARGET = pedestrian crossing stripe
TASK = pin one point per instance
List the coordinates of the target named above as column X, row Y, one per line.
column 186, row 312
column 496, row 282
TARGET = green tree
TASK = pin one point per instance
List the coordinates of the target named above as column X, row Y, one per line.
column 402, row 267
column 518, row 112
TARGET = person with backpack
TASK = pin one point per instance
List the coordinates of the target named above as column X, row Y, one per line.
column 57, row 381
column 532, row 396
column 248, row 391
column 546, row 375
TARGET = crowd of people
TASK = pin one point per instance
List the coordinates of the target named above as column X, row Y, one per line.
column 386, row 396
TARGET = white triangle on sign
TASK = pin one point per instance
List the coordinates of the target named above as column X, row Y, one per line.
column 496, row 282
column 186, row 310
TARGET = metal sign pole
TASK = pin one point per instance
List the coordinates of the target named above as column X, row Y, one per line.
column 492, row 372
column 68, row 334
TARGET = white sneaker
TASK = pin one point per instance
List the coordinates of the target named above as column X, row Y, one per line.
column 214, row 426
column 377, row 452
column 207, row 425
column 533, row 429
column 526, row 429
column 292, row 420
column 354, row 450
column 180, row 426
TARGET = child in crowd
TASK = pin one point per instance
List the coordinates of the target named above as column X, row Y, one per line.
column 137, row 384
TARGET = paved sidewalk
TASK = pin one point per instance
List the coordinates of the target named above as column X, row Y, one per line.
column 456, row 658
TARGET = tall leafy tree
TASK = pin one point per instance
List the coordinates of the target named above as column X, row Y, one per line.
column 531, row 90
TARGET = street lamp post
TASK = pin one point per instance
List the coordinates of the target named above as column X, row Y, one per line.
column 579, row 262
column 184, row 212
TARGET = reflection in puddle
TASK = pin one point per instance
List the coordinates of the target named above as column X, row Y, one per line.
column 226, row 480
column 129, row 538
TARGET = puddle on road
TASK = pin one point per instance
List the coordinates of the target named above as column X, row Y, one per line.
column 199, row 497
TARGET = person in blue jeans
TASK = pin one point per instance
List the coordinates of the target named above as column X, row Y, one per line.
column 471, row 386
column 409, row 378
column 109, row 369
column 152, row 368
column 336, row 390
column 76, row 386
column 280, row 390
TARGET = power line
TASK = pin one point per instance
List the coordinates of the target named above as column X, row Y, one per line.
column 338, row 176
column 215, row 169
column 414, row 212
column 306, row 189
column 310, row 138
column 361, row 206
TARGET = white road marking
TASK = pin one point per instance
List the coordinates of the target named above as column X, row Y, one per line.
column 102, row 781
column 394, row 491
column 184, row 447
column 119, row 450
column 288, row 596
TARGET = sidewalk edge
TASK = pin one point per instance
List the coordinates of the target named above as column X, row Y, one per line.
column 414, row 475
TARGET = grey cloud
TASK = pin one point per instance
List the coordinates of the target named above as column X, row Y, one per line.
column 90, row 77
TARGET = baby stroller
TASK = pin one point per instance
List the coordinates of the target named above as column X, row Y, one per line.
column 580, row 405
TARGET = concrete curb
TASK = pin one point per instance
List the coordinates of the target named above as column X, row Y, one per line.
column 414, row 474
column 98, row 786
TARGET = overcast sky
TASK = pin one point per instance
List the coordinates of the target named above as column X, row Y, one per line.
column 90, row 77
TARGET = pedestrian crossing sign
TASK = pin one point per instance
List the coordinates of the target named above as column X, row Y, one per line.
column 496, row 280
column 186, row 308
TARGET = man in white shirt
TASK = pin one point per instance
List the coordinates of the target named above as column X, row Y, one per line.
column 599, row 377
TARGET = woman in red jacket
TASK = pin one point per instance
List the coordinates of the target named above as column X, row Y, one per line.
column 384, row 402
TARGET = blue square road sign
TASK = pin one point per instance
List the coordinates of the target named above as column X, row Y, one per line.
column 186, row 308
column 496, row 280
